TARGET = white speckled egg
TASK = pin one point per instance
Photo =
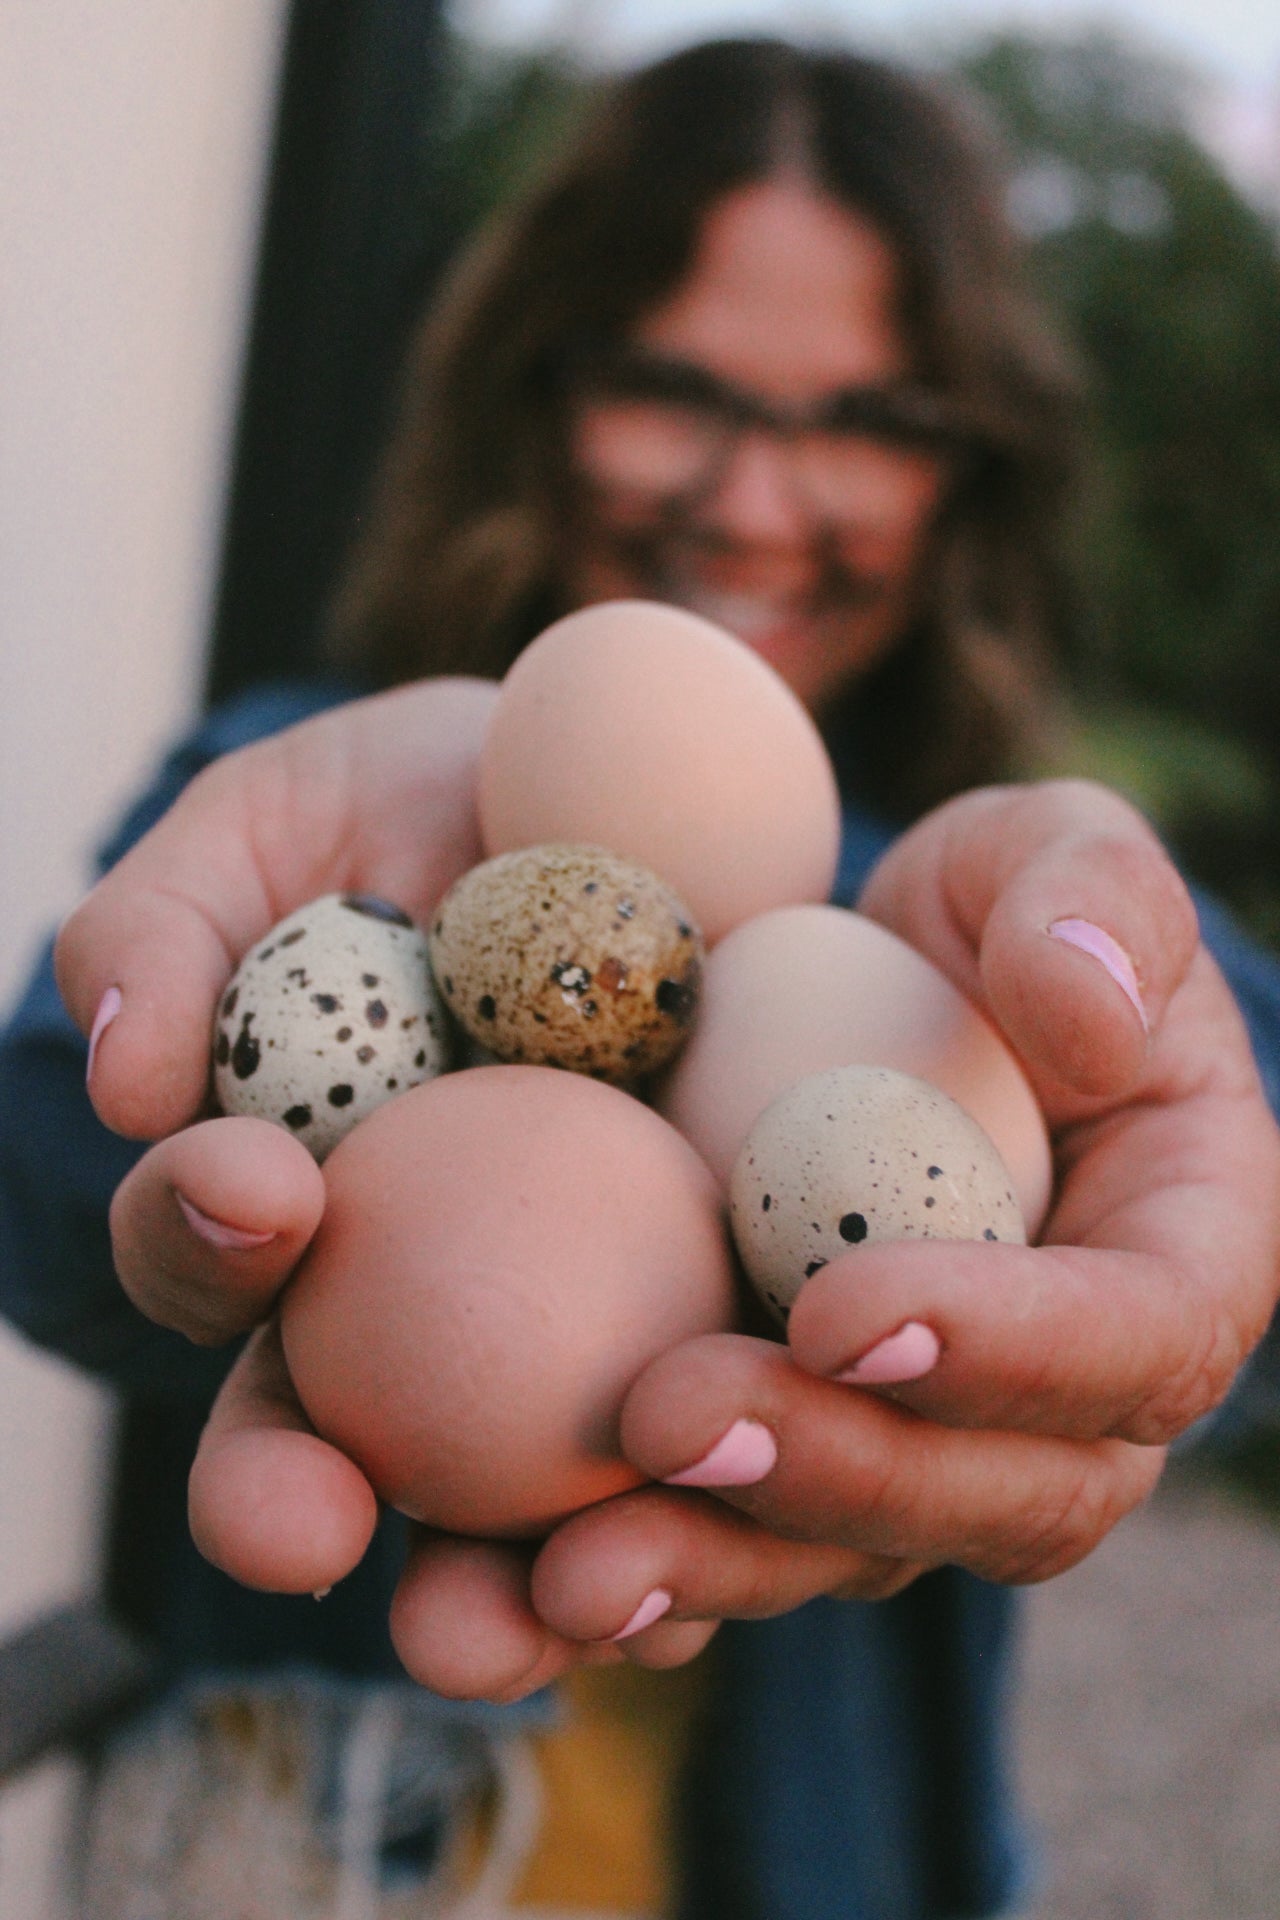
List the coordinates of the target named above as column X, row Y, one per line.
column 332, row 1013
column 568, row 956
column 857, row 1155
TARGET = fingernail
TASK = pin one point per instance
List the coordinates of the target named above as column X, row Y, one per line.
column 217, row 1233
column 651, row 1608
column 908, row 1354
column 1108, row 953
column 738, row 1459
column 108, row 1007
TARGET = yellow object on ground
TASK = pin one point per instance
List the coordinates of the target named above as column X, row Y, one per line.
column 608, row 1774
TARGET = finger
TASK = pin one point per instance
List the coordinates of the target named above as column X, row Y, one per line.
column 209, row 1224
column 463, row 1626
column 840, row 1466
column 1156, row 1279
column 1056, row 908
column 670, row 1643
column 1059, row 1340
column 633, row 1571
column 373, row 797
column 270, row 1502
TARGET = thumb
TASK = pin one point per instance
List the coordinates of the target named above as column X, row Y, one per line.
column 1055, row 907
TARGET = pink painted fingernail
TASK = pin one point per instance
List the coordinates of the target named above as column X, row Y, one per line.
column 217, row 1233
column 738, row 1459
column 908, row 1354
column 651, row 1608
column 1100, row 946
column 108, row 1007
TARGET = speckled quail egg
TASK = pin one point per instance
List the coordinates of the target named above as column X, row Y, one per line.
column 332, row 1013
column 569, row 956
column 856, row 1155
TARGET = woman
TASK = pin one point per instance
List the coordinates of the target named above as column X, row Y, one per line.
column 758, row 347
column 565, row 413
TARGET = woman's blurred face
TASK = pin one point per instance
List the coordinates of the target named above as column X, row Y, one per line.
column 752, row 452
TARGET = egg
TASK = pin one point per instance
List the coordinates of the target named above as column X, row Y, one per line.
column 855, row 1156
column 809, row 987
column 332, row 1013
column 501, row 1253
column 571, row 957
column 647, row 730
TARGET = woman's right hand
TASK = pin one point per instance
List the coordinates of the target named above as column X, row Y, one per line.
column 377, row 796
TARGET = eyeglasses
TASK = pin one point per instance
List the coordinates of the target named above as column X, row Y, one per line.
column 668, row 428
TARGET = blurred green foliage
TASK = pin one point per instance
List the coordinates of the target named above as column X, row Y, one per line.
column 1168, row 280
column 504, row 114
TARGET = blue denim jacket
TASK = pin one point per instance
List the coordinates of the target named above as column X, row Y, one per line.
column 854, row 1765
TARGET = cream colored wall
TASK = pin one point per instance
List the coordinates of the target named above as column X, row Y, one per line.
column 132, row 153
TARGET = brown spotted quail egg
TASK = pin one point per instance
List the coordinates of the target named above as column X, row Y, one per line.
column 857, row 1155
column 569, row 956
column 332, row 1013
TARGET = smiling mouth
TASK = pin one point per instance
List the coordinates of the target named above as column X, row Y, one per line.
column 751, row 616
column 756, row 616
column 675, row 565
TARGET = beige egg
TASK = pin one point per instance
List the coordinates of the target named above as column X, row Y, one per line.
column 570, row 957
column 647, row 730
column 332, row 1013
column 501, row 1253
column 860, row 1155
column 804, row 988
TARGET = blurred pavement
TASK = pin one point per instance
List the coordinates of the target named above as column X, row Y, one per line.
column 1150, row 1716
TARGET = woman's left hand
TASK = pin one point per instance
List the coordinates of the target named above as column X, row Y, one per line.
column 1012, row 1403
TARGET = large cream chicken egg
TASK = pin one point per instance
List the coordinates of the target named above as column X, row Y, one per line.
column 805, row 988
column 649, row 731
column 502, row 1251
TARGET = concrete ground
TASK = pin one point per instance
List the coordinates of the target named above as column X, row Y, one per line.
column 1150, row 1718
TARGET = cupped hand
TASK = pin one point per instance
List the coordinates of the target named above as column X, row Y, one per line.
column 1010, row 1404
column 373, row 797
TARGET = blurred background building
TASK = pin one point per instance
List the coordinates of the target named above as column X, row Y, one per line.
column 136, row 156
column 132, row 145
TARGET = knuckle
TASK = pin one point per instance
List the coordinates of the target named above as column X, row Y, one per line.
column 880, row 1495
column 760, row 1591
column 1192, row 1389
column 167, row 1298
column 1058, row 1532
column 878, row 1579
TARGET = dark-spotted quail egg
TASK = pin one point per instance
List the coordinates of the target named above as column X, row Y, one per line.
column 856, row 1155
column 568, row 956
column 332, row 1013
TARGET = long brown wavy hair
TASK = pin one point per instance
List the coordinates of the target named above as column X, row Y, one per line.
column 458, row 568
